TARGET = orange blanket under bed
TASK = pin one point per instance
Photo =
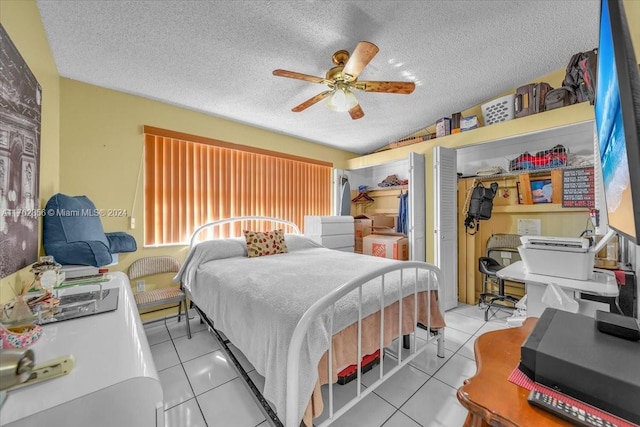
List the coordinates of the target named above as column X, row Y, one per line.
column 345, row 342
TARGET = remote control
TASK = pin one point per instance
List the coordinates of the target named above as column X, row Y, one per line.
column 566, row 411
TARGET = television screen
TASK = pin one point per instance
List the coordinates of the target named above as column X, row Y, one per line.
column 617, row 112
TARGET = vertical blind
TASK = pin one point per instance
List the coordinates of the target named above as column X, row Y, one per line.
column 191, row 180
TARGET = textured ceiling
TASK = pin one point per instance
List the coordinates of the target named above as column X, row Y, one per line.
column 217, row 56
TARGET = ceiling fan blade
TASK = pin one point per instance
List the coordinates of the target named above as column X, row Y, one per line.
column 309, row 102
column 299, row 76
column 356, row 112
column 387, row 87
column 362, row 55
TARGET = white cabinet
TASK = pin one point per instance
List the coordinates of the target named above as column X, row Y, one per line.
column 333, row 232
column 114, row 381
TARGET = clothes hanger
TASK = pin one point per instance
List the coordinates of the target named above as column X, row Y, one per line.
column 362, row 195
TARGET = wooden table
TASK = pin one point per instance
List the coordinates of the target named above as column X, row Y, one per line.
column 492, row 400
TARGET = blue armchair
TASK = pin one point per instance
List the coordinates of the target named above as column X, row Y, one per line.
column 73, row 233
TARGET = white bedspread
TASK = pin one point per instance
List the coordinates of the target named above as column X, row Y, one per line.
column 257, row 302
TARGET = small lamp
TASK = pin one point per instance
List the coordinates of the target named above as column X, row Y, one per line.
column 341, row 100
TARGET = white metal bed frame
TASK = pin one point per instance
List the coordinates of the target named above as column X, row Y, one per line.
column 328, row 302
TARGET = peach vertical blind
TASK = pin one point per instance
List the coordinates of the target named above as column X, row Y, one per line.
column 191, row 180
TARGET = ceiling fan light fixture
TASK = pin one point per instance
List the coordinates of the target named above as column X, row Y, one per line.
column 341, row 100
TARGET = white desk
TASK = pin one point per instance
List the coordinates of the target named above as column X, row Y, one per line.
column 114, row 381
column 602, row 283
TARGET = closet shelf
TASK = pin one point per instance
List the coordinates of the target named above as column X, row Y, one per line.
column 383, row 211
column 536, row 208
column 532, row 172
column 387, row 191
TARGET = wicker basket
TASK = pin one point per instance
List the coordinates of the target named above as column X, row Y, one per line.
column 499, row 110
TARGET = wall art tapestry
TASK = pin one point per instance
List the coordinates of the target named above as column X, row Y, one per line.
column 20, row 118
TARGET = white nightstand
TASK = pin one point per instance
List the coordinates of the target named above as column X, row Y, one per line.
column 333, row 232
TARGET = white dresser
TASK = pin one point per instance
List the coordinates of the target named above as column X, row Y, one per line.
column 114, row 381
column 333, row 232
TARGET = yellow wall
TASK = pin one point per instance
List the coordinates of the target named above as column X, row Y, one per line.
column 632, row 10
column 101, row 148
column 21, row 20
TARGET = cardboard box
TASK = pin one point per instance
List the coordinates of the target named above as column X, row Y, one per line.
column 468, row 123
column 443, row 127
column 366, row 224
column 386, row 246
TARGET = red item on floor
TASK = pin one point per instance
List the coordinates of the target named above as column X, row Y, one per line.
column 350, row 372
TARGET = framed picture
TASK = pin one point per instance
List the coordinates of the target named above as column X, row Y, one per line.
column 20, row 118
column 541, row 191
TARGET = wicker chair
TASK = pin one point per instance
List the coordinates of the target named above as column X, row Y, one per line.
column 159, row 297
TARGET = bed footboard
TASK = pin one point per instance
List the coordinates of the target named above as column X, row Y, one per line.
column 408, row 322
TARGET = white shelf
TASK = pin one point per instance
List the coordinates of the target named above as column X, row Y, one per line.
column 602, row 282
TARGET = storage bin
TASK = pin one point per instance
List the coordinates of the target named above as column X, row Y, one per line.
column 499, row 110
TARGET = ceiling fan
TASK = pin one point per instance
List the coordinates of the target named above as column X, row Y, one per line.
column 343, row 78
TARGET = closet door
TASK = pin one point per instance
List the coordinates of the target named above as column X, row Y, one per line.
column 417, row 219
column 446, row 213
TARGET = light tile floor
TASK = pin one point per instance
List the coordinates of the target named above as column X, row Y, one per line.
column 202, row 388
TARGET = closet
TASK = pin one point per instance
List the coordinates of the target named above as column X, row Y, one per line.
column 513, row 205
column 386, row 199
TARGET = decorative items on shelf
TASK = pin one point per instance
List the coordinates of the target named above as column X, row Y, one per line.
column 443, row 127
column 411, row 140
column 19, row 336
column 18, row 317
column 47, row 270
column 17, row 329
column 468, row 123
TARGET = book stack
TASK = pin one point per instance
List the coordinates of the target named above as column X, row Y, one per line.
column 83, row 274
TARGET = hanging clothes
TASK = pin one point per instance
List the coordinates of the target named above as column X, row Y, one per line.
column 403, row 213
column 345, row 196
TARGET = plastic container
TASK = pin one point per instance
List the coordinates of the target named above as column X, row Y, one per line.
column 499, row 110
column 548, row 262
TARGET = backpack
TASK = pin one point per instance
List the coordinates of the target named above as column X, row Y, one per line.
column 480, row 205
column 559, row 97
column 581, row 75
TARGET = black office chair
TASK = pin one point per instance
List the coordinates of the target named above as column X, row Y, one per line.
column 489, row 268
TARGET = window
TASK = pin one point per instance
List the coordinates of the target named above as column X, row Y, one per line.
column 192, row 180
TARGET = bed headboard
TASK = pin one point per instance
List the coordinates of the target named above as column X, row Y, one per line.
column 257, row 223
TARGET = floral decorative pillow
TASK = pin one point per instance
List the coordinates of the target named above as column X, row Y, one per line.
column 265, row 243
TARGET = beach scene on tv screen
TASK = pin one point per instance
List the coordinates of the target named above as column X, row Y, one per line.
column 613, row 152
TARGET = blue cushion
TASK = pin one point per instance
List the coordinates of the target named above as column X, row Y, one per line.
column 121, row 242
column 79, row 253
column 73, row 233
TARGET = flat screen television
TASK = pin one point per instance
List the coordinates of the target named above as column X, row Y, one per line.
column 617, row 113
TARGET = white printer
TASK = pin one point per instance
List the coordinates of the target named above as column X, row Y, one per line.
column 573, row 244
column 569, row 257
